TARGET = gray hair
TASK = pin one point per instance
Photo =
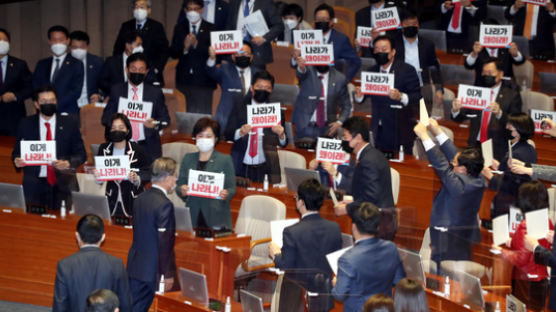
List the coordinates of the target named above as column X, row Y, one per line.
column 149, row 3
column 161, row 168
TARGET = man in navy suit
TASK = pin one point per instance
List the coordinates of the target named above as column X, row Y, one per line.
column 234, row 79
column 454, row 224
column 262, row 50
column 214, row 12
column 89, row 269
column 322, row 104
column 92, row 66
column 190, row 45
column 458, row 19
column 62, row 71
column 151, row 255
column 372, row 266
column 146, row 133
column 393, row 115
column 155, row 43
column 15, row 87
column 48, row 185
column 306, row 244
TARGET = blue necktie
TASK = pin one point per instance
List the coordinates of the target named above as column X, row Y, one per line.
column 245, row 14
column 56, row 70
column 194, row 29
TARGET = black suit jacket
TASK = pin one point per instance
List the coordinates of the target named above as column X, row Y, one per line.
column 19, row 81
column 113, row 73
column 467, row 20
column 430, row 67
column 546, row 257
column 220, row 14
column 507, row 62
column 192, row 66
column 85, row 271
column 94, row 70
column 160, row 112
column 154, row 227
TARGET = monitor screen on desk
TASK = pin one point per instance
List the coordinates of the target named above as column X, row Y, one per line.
column 11, row 196
column 471, row 289
column 194, row 286
column 412, row 265
column 183, row 219
column 250, row 302
column 295, row 176
column 84, row 204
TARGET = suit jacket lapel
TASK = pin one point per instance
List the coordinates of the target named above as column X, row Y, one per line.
column 9, row 71
column 331, row 87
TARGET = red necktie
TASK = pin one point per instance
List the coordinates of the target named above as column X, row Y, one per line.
column 50, row 172
column 135, row 126
column 484, row 121
column 254, row 143
column 320, row 106
column 456, row 15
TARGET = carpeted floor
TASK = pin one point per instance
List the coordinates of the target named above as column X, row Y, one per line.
column 7, row 306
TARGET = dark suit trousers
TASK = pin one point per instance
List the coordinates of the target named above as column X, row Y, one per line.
column 457, row 43
column 142, row 294
column 311, row 131
column 38, row 192
column 197, row 99
column 447, row 246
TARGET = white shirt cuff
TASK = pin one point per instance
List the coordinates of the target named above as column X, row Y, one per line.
column 299, row 69
column 283, row 142
column 404, row 99
column 211, row 63
column 519, row 57
column 455, row 114
column 553, row 13
column 292, row 61
column 359, row 99
column 237, row 135
column 513, row 10
column 428, row 144
column 441, row 138
column 443, row 9
column 472, row 10
column 338, row 179
column 470, row 60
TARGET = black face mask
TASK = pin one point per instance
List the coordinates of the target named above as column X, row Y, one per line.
column 48, row 109
column 381, row 58
column 508, row 135
column 261, row 96
column 410, row 31
column 489, row 81
column 323, row 69
column 243, row 61
column 117, row 136
column 324, row 26
column 345, row 146
column 136, row 78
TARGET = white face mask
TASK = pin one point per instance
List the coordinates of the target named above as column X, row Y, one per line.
column 205, row 144
column 193, row 16
column 58, row 48
column 140, row 14
column 138, row 49
column 291, row 24
column 79, row 54
column 4, row 47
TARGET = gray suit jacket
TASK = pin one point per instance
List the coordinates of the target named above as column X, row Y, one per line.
column 544, row 172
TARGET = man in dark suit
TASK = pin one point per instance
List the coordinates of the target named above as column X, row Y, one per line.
column 62, row 71
column 239, row 10
column 306, row 244
column 508, row 56
column 393, row 115
column 323, row 102
column 155, row 43
column 254, row 151
column 15, row 86
column 453, row 224
column 214, row 12
column 89, row 269
column 363, row 17
column 151, row 257
column 190, row 46
column 92, row 66
column 372, row 266
column 145, row 134
column 234, row 79
column 504, row 100
column 50, row 185
column 458, row 19
column 541, row 40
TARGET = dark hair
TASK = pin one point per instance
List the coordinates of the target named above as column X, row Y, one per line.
column 137, row 57
column 491, row 21
column 357, row 125
column 90, row 228
column 366, row 218
column 206, row 122
column 43, row 89
column 293, row 9
column 472, row 159
column 532, row 195
column 410, row 296
column 311, row 193
column 6, row 32
column 379, row 303
column 59, row 28
column 263, row 75
column 384, row 37
column 247, row 43
column 102, row 300
column 131, row 36
column 79, row 36
column 496, row 61
column 126, row 122
column 326, row 7
column 200, row 3
column 406, row 14
column 523, row 124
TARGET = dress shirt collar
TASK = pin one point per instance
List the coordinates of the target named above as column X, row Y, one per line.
column 246, row 70
column 309, row 213
column 361, row 150
column 4, row 60
column 324, row 76
column 406, row 42
column 139, row 88
column 364, row 240
column 387, row 69
column 160, row 188
column 61, row 58
column 496, row 90
column 137, row 23
column 326, row 37
column 52, row 120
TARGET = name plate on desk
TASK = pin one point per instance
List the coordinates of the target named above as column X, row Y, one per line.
column 318, row 54
column 38, row 153
column 112, row 168
column 495, row 36
column 205, row 184
column 376, row 83
column 330, row 150
column 514, row 305
column 472, row 97
column 386, row 19
column 264, row 115
column 226, row 42
column 307, row 37
column 135, row 110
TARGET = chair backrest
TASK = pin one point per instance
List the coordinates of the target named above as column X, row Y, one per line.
column 170, row 74
column 345, row 28
column 92, row 131
column 497, row 12
column 175, row 102
column 289, row 133
column 536, row 100
column 456, row 74
column 346, row 15
column 524, row 74
column 436, row 36
column 255, row 214
column 425, row 250
column 447, row 100
column 366, row 63
column 176, row 151
column 523, row 45
column 94, row 150
column 284, row 94
column 281, row 68
column 291, row 160
column 395, row 177
column 88, row 184
column 547, row 82
column 347, row 240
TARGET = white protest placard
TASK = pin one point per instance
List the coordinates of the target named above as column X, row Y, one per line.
column 386, row 19
column 514, row 305
column 318, row 54
column 205, row 184
column 264, row 115
column 256, row 24
column 111, row 168
column 330, row 150
column 226, row 42
column 423, row 113
column 500, row 230
column 307, row 37
column 277, row 228
column 538, row 115
column 536, row 2
column 38, row 153
column 472, row 97
column 486, row 148
column 376, row 83
column 135, row 110
column 364, row 36
column 495, row 36
column 515, row 218
column 537, row 223
column 333, row 258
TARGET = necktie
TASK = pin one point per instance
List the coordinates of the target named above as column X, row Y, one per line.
column 194, row 29
column 456, row 15
column 205, row 10
column 135, row 126
column 50, row 172
column 320, row 106
column 245, row 14
column 1, row 76
column 527, row 28
column 56, row 70
column 484, row 121
column 241, row 72
column 138, row 26
column 254, row 143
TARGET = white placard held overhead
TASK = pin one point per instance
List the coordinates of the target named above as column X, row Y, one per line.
column 264, row 115
column 205, row 184
column 515, row 218
column 330, row 150
column 37, row 153
column 423, row 113
column 536, row 2
column 537, row 223
column 256, row 24
column 472, row 97
column 500, row 230
column 333, row 258
column 538, row 115
column 495, row 36
column 277, row 229
column 386, row 19
column 486, row 148
column 226, row 42
column 376, row 83
column 307, row 37
column 135, row 110
column 112, row 168
column 319, row 54
column 364, row 36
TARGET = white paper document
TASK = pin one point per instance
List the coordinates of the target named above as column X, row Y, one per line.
column 423, row 114
column 486, row 148
column 333, row 258
column 277, row 228
column 500, row 230
column 255, row 24
column 537, row 223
